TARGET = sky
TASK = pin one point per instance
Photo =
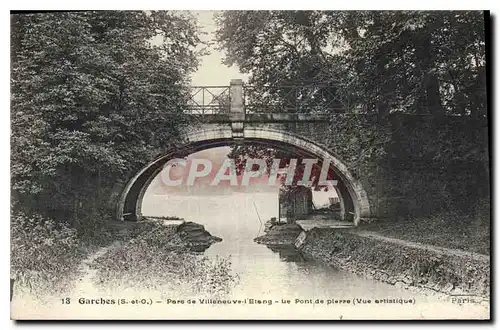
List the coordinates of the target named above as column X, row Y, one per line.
column 211, row 71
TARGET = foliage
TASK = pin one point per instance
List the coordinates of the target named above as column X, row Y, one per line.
column 241, row 154
column 275, row 46
column 400, row 261
column 359, row 140
column 442, row 139
column 94, row 94
column 96, row 230
column 372, row 63
column 157, row 258
column 369, row 61
column 43, row 254
column 468, row 231
column 417, row 61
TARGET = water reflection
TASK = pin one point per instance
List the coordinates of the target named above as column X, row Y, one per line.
column 287, row 253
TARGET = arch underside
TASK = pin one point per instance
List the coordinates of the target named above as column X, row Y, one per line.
column 351, row 194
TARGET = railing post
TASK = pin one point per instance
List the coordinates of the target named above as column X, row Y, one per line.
column 237, row 110
column 236, row 92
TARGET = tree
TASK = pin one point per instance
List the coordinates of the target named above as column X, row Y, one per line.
column 241, row 153
column 371, row 61
column 282, row 50
column 91, row 92
column 403, row 60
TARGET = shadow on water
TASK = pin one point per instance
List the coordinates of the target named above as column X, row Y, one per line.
column 288, row 253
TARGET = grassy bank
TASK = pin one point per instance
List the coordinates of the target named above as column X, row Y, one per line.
column 45, row 255
column 393, row 262
column 45, row 258
column 156, row 257
column 453, row 230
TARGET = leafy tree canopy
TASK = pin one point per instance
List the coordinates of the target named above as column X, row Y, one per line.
column 373, row 61
column 90, row 92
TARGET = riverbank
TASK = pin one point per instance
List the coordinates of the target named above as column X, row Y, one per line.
column 277, row 235
column 453, row 230
column 157, row 255
column 413, row 265
column 398, row 262
column 146, row 254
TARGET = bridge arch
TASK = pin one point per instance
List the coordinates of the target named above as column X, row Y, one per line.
column 130, row 202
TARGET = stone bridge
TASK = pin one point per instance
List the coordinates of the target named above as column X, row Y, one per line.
column 370, row 193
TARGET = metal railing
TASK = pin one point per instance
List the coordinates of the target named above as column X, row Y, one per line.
column 208, row 100
column 292, row 99
column 238, row 97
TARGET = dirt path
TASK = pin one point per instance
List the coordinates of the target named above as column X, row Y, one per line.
column 433, row 248
column 85, row 283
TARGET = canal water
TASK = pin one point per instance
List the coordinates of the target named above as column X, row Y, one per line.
column 238, row 218
column 278, row 276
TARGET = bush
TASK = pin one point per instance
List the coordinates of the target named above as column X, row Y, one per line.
column 456, row 229
column 157, row 258
column 212, row 276
column 44, row 254
column 95, row 228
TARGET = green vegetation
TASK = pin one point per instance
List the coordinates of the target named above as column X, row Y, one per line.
column 155, row 257
column 424, row 62
column 394, row 262
column 44, row 254
column 94, row 95
column 384, row 65
column 456, row 230
column 92, row 98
